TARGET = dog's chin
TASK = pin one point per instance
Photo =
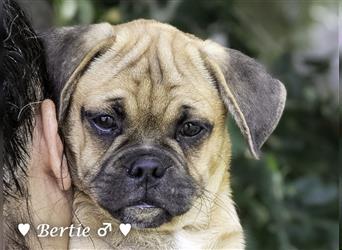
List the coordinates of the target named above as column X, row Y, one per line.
column 143, row 216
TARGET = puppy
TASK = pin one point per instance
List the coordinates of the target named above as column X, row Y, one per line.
column 143, row 110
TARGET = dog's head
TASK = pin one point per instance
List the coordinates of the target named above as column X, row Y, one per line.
column 142, row 108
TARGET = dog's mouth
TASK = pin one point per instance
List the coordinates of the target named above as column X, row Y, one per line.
column 143, row 205
column 142, row 214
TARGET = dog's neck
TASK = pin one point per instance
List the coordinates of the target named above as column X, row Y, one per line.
column 213, row 223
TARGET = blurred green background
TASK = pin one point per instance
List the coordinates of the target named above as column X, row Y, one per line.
column 289, row 199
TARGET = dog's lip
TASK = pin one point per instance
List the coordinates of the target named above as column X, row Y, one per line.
column 143, row 205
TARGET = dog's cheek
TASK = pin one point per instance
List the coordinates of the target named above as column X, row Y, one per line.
column 198, row 162
column 213, row 152
column 177, row 192
column 83, row 152
column 91, row 155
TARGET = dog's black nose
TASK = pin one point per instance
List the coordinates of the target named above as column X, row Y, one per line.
column 147, row 167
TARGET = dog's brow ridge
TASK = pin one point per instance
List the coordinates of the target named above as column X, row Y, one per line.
column 114, row 99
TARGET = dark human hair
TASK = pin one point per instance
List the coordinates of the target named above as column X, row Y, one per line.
column 23, row 70
column 23, row 86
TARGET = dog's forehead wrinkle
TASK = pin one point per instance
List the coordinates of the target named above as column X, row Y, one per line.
column 119, row 57
column 166, row 60
column 163, row 47
column 166, row 55
column 156, row 71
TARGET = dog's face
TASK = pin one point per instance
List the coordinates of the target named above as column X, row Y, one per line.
column 144, row 118
column 141, row 136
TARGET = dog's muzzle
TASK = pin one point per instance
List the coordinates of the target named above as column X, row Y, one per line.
column 144, row 186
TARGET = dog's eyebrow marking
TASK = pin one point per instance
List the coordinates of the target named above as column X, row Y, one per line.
column 184, row 113
column 186, row 107
column 114, row 99
column 109, row 104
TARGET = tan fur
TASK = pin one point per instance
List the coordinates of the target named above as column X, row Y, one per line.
column 156, row 68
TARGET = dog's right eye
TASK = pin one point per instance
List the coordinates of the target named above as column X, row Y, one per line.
column 105, row 123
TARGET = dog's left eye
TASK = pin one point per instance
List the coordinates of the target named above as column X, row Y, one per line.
column 105, row 123
column 190, row 129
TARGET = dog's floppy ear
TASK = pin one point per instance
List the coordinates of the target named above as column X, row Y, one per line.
column 68, row 51
column 255, row 99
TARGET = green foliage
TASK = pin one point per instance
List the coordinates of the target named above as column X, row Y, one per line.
column 288, row 199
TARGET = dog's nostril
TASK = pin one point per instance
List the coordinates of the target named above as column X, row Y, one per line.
column 136, row 172
column 158, row 172
column 147, row 167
